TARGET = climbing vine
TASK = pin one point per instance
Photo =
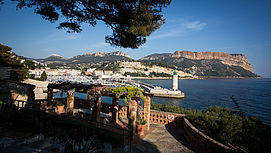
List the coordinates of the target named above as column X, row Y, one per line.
column 129, row 93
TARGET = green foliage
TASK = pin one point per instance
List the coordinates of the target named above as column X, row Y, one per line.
column 129, row 93
column 135, row 74
column 140, row 121
column 155, row 74
column 59, row 103
column 43, row 76
column 130, row 21
column 29, row 64
column 226, row 126
column 222, row 124
column 32, row 76
column 4, row 48
column 7, row 58
column 168, row 107
column 83, row 73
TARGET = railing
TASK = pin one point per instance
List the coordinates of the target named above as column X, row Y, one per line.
column 155, row 116
column 37, row 114
column 37, row 106
column 163, row 117
column 123, row 111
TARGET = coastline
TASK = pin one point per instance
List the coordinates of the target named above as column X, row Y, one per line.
column 228, row 77
column 195, row 78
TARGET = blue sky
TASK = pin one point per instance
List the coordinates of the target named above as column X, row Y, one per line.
column 233, row 26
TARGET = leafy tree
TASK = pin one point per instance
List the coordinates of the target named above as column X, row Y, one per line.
column 43, row 76
column 29, row 64
column 130, row 20
column 4, row 48
column 9, row 59
column 32, row 76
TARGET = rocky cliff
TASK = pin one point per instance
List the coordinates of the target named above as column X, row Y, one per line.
column 207, row 64
column 229, row 59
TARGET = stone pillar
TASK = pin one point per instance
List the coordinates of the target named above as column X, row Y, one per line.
column 90, row 100
column 50, row 95
column 147, row 111
column 97, row 106
column 115, row 111
column 132, row 117
column 14, row 95
column 31, row 94
column 70, row 102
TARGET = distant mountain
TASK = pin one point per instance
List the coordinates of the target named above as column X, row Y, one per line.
column 205, row 64
column 53, row 58
column 97, row 57
column 211, row 64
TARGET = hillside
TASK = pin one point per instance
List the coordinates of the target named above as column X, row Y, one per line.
column 207, row 64
column 98, row 57
column 203, row 64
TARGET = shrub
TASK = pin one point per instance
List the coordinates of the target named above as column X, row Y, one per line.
column 226, row 125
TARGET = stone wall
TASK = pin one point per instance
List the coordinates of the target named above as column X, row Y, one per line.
column 17, row 90
column 202, row 142
column 40, row 87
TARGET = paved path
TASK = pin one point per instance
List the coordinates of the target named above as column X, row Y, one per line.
column 163, row 139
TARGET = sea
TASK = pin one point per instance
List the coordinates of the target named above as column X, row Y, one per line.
column 252, row 95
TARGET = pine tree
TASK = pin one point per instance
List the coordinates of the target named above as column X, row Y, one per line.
column 130, row 20
column 43, row 76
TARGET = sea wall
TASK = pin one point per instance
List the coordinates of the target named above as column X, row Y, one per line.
column 202, row 142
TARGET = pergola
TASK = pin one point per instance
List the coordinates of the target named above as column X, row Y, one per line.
column 94, row 94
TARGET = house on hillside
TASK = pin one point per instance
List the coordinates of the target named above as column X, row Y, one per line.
column 99, row 72
column 108, row 72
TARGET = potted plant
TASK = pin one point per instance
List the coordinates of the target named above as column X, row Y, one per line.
column 140, row 124
column 60, row 107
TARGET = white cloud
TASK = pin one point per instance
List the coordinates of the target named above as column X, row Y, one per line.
column 60, row 36
column 195, row 25
column 179, row 28
column 73, row 37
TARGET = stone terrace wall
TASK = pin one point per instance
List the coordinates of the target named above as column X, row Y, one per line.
column 202, row 142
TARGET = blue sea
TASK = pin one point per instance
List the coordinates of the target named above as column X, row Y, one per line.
column 252, row 95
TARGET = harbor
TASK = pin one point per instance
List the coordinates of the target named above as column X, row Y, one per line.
column 117, row 81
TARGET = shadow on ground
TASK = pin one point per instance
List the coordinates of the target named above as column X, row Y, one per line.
column 178, row 133
column 141, row 146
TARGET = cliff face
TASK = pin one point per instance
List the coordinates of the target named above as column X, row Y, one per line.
column 208, row 64
column 229, row 59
